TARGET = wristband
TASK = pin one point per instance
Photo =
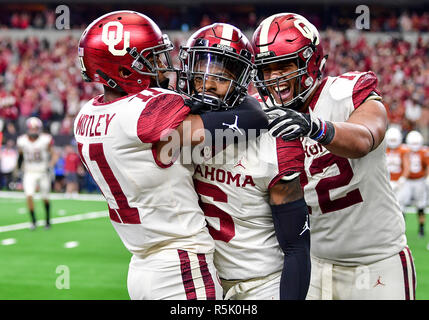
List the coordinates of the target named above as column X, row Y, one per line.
column 326, row 134
column 322, row 132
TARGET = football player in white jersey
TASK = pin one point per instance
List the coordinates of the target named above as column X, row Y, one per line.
column 151, row 200
column 249, row 191
column 359, row 248
column 37, row 156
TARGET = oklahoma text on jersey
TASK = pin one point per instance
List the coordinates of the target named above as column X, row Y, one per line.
column 224, row 176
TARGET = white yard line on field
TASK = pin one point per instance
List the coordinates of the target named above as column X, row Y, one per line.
column 76, row 217
column 53, row 196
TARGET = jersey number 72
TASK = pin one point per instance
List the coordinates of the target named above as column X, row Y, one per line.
column 328, row 183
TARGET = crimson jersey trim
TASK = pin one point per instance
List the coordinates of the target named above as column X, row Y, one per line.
column 290, row 159
column 366, row 84
column 161, row 115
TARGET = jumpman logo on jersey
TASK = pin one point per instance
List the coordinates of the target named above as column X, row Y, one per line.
column 234, row 126
column 379, row 283
column 305, row 227
column 240, row 164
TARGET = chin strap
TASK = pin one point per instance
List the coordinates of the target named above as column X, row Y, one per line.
column 206, row 103
column 110, row 82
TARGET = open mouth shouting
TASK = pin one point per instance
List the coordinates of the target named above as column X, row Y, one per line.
column 284, row 91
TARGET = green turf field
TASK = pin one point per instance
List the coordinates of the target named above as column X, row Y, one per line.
column 85, row 259
column 420, row 253
column 37, row 265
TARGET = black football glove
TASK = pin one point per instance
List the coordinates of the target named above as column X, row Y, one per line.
column 194, row 106
column 290, row 125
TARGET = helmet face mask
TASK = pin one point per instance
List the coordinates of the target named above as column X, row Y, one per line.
column 154, row 61
column 279, row 39
column 214, row 75
column 230, row 75
column 288, row 77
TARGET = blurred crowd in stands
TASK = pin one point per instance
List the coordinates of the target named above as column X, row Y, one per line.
column 190, row 15
column 39, row 78
column 402, row 70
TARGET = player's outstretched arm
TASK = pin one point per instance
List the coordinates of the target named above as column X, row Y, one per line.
column 361, row 133
column 291, row 222
column 245, row 122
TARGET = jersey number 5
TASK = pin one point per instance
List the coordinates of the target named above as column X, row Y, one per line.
column 226, row 230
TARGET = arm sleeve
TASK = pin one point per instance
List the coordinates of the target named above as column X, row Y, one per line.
column 291, row 223
column 245, row 122
column 161, row 115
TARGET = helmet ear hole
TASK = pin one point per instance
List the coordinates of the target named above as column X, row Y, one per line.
column 124, row 72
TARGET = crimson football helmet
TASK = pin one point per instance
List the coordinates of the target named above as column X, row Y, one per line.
column 282, row 38
column 124, row 50
column 222, row 53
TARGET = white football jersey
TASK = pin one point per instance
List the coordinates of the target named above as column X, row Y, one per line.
column 151, row 206
column 234, row 192
column 36, row 153
column 355, row 218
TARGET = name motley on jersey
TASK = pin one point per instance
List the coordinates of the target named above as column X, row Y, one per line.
column 223, row 176
column 93, row 125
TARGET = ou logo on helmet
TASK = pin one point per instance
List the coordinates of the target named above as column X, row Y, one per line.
column 114, row 37
column 307, row 29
